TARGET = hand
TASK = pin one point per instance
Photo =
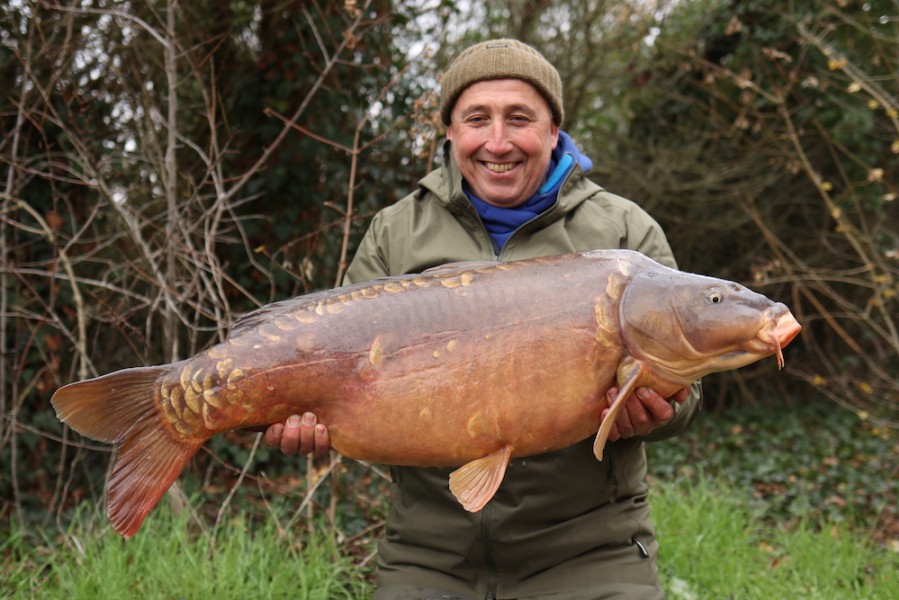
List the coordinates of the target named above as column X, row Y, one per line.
column 299, row 435
column 643, row 412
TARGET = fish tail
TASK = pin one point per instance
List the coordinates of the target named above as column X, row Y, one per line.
column 119, row 408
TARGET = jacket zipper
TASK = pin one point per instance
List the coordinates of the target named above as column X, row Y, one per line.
column 488, row 553
column 613, row 480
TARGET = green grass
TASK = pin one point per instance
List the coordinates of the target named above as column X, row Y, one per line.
column 170, row 559
column 773, row 502
column 713, row 545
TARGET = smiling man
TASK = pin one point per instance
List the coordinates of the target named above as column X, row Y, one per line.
column 502, row 135
column 512, row 186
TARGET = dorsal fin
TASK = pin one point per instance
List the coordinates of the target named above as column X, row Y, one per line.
column 292, row 305
column 465, row 265
column 281, row 307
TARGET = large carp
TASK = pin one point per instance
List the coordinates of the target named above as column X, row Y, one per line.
column 467, row 364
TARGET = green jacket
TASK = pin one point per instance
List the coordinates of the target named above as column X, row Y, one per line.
column 554, row 514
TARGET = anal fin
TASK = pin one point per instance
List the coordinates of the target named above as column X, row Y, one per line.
column 474, row 484
column 148, row 460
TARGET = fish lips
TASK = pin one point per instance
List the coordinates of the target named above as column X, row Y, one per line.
column 779, row 331
column 786, row 328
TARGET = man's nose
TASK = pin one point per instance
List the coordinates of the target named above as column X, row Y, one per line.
column 498, row 141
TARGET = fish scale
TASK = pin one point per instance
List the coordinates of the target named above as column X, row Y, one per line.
column 189, row 397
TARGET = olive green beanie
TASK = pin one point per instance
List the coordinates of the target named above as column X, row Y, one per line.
column 501, row 59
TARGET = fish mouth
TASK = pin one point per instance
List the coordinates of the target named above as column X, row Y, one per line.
column 780, row 332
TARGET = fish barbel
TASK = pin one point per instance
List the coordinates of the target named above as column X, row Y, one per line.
column 467, row 364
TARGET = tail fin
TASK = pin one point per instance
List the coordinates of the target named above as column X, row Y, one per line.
column 119, row 409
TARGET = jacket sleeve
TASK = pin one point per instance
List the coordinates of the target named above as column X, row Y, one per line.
column 369, row 261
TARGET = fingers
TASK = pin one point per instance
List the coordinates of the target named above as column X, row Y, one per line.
column 614, row 434
column 643, row 412
column 322, row 441
column 622, row 426
column 681, row 395
column 299, row 435
column 655, row 409
column 290, row 436
column 272, row 435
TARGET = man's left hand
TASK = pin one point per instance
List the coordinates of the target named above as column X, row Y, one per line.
column 644, row 411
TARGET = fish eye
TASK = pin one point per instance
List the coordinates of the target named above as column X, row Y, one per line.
column 715, row 297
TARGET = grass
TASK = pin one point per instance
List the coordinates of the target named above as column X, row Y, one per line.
column 170, row 559
column 713, row 545
column 763, row 502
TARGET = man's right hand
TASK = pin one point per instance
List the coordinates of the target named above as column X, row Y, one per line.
column 299, row 435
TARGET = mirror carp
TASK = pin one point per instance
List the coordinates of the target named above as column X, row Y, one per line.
column 466, row 364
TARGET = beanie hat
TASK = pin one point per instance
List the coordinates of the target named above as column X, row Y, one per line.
column 501, row 59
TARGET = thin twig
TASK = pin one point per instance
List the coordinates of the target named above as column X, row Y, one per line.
column 234, row 488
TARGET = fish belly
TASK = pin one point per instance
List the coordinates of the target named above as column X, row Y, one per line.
column 442, row 375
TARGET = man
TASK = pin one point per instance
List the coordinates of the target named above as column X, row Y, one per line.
column 562, row 525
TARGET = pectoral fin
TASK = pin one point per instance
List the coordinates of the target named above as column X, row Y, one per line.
column 474, row 484
column 628, row 384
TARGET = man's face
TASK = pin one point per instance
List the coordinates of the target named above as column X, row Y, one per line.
column 502, row 135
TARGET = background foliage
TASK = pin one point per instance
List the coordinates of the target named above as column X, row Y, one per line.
column 168, row 166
